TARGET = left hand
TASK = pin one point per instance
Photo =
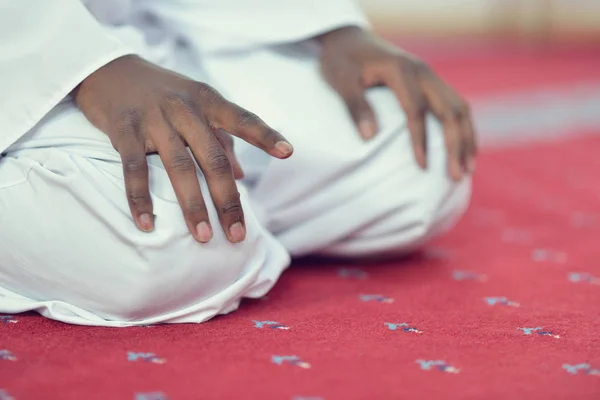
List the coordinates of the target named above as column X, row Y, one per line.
column 353, row 60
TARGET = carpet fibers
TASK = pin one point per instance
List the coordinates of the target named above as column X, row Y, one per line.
column 506, row 307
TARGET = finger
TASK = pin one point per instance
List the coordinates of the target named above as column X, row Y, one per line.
column 410, row 95
column 446, row 106
column 361, row 111
column 249, row 127
column 227, row 143
column 350, row 85
column 471, row 142
column 455, row 148
column 218, row 171
column 135, row 172
column 181, row 170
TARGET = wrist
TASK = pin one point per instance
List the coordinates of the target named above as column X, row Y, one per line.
column 343, row 32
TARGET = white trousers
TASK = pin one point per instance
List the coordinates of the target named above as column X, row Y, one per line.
column 70, row 250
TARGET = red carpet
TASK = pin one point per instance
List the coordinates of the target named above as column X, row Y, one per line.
column 484, row 69
column 507, row 307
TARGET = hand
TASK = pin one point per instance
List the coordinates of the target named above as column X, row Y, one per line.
column 146, row 109
column 353, row 60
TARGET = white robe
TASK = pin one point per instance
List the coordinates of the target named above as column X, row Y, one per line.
column 68, row 245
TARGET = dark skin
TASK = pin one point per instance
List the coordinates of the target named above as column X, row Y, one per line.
column 353, row 61
column 146, row 109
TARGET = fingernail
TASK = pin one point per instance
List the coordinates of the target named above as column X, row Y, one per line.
column 367, row 129
column 471, row 165
column 237, row 232
column 284, row 148
column 204, row 232
column 146, row 222
column 457, row 172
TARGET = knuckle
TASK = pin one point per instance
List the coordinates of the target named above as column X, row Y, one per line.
column 138, row 200
column 178, row 101
column 182, row 162
column 270, row 135
column 218, row 162
column 247, row 118
column 406, row 66
column 129, row 120
column 421, row 67
column 207, row 94
column 134, row 165
column 453, row 111
column 130, row 116
column 416, row 111
column 193, row 208
column 232, row 206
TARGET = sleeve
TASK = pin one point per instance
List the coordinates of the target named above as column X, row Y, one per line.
column 233, row 25
column 46, row 49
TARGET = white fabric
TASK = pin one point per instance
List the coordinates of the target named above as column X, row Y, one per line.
column 233, row 25
column 69, row 248
column 48, row 47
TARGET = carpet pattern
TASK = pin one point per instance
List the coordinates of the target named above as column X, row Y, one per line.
column 506, row 307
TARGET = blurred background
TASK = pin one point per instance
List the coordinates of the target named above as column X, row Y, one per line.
column 532, row 20
column 531, row 68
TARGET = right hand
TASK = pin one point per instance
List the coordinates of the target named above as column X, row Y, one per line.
column 146, row 109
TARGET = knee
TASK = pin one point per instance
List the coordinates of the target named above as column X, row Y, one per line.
column 125, row 275
column 446, row 210
column 406, row 211
column 437, row 213
column 100, row 264
column 166, row 277
column 436, row 207
column 406, row 223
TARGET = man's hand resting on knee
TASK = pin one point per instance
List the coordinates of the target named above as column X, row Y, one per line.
column 353, row 60
column 146, row 109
